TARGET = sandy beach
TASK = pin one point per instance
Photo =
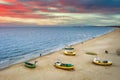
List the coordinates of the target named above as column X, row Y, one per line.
column 84, row 68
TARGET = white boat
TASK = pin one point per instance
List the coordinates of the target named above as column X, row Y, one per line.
column 102, row 62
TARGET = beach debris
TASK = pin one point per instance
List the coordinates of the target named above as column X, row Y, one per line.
column 102, row 62
column 118, row 52
column 91, row 53
column 82, row 42
column 106, row 51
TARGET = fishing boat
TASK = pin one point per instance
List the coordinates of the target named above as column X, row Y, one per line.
column 69, row 51
column 30, row 65
column 65, row 66
column 102, row 63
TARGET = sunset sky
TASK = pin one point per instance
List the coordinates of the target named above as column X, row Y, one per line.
column 60, row 12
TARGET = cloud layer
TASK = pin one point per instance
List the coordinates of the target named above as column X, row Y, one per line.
column 57, row 12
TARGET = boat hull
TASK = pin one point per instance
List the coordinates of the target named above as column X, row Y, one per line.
column 64, row 67
column 102, row 63
column 70, row 53
column 29, row 65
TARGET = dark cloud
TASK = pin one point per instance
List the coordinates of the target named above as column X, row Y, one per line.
column 87, row 5
column 78, row 3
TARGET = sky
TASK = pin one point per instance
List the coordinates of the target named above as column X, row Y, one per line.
column 60, row 12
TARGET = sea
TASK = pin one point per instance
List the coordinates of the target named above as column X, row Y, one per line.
column 19, row 44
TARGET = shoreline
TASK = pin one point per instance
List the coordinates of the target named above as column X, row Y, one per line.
column 82, row 62
column 60, row 49
column 72, row 44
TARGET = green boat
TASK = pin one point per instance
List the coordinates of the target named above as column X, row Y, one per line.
column 30, row 65
column 65, row 66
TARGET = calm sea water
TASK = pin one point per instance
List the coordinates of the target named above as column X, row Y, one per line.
column 21, row 44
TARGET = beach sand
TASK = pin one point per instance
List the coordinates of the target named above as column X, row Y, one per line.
column 84, row 68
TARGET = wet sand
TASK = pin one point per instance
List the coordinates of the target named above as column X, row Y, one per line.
column 84, row 68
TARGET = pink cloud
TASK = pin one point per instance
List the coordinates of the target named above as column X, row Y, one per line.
column 25, row 8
